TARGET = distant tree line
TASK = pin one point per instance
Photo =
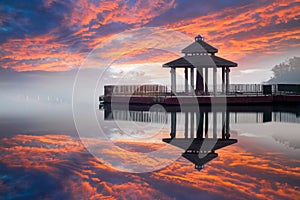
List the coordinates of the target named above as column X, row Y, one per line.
column 287, row 71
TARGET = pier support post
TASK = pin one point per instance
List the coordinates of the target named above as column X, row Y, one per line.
column 192, row 78
column 186, row 83
column 173, row 80
column 227, row 79
column 215, row 80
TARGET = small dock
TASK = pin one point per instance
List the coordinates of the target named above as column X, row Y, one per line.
column 251, row 94
column 205, row 100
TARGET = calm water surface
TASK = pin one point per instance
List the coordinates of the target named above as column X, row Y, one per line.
column 238, row 153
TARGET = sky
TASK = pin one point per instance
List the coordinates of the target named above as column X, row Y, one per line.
column 44, row 42
column 51, row 36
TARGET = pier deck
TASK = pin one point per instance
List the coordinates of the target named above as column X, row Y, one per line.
column 205, row 100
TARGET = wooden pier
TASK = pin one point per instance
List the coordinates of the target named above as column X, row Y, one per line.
column 205, row 100
column 248, row 94
column 198, row 61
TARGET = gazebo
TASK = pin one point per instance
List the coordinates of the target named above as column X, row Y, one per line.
column 200, row 55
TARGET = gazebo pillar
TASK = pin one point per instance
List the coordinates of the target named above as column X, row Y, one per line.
column 215, row 80
column 173, row 79
column 199, row 81
column 215, row 134
column 173, row 125
column 186, row 83
column 227, row 79
column 200, row 120
column 206, row 124
column 227, row 126
column 192, row 78
column 186, row 127
column 223, row 125
column 206, row 80
column 223, row 80
column 192, row 124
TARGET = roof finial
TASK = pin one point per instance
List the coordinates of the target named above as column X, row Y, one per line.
column 198, row 38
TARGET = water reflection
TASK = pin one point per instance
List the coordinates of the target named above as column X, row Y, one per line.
column 59, row 166
column 200, row 134
column 237, row 114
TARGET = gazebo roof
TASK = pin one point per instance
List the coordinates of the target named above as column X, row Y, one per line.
column 200, row 159
column 199, row 46
column 210, row 144
column 200, row 61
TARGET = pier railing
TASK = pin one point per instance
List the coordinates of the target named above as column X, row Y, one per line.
column 246, row 88
column 138, row 90
column 234, row 89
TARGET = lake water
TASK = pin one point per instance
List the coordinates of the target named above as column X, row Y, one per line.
column 149, row 153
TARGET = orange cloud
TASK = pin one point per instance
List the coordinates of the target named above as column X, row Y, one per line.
column 259, row 30
column 49, row 52
column 40, row 53
column 246, row 30
column 117, row 11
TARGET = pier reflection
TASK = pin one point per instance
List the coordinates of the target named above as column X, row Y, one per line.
column 201, row 133
column 198, row 134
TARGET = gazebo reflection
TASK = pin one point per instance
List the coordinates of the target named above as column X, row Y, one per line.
column 200, row 149
column 200, row 133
